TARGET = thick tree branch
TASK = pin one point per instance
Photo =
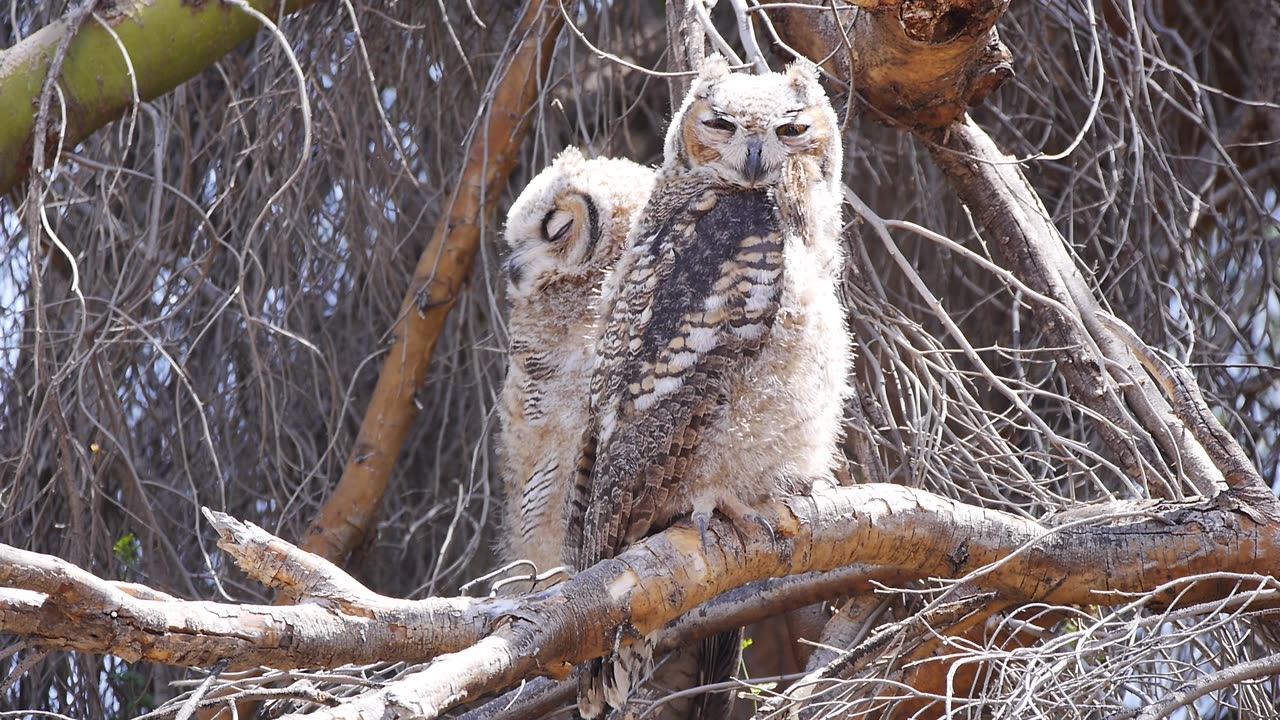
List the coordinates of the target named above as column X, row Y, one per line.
column 915, row 533
column 915, row 63
column 742, row 606
column 153, row 45
column 909, row 534
column 57, row 605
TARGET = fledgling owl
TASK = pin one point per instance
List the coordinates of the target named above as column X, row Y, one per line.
column 721, row 365
column 568, row 226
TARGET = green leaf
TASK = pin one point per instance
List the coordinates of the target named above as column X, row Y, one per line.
column 128, row 550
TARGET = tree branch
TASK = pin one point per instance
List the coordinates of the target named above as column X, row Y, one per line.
column 915, row 63
column 688, row 46
column 908, row 534
column 1212, row 682
column 1103, row 372
column 442, row 269
column 59, row 606
column 97, row 80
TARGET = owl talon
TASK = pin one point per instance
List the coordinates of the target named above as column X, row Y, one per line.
column 742, row 527
column 763, row 522
column 702, row 520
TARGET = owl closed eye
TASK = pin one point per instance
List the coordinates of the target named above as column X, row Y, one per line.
column 565, row 229
column 747, row 127
column 574, row 215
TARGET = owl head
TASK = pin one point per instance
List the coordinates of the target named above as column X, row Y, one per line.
column 572, row 218
column 746, row 127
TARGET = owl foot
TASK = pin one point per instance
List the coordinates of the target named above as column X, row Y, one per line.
column 743, row 522
column 763, row 521
column 740, row 515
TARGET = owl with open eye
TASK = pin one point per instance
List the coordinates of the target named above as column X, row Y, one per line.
column 721, row 366
column 567, row 227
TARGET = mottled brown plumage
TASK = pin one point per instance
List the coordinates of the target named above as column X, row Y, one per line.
column 721, row 365
column 567, row 227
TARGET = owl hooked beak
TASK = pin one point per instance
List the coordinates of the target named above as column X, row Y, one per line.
column 753, row 168
column 514, row 270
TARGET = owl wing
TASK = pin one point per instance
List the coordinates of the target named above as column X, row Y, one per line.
column 700, row 293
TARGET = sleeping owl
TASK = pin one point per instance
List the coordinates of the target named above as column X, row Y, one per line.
column 722, row 359
column 566, row 228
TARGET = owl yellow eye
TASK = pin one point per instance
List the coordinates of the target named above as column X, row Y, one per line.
column 791, row 130
column 719, row 123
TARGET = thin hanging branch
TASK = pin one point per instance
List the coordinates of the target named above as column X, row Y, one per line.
column 122, row 55
column 442, row 269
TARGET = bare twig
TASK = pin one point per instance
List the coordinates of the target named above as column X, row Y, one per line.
column 442, row 269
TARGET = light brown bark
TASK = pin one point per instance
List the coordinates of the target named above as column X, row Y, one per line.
column 914, row 63
column 442, row 269
column 494, row 643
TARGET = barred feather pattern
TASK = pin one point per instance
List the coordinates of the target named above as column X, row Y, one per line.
column 722, row 360
column 697, row 298
column 567, row 228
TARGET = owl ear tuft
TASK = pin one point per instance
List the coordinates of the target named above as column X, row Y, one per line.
column 570, row 156
column 713, row 68
column 803, row 76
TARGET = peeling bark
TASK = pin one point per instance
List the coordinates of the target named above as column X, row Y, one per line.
column 494, row 643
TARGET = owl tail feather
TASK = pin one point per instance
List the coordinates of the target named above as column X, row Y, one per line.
column 591, row 703
column 607, row 682
column 720, row 657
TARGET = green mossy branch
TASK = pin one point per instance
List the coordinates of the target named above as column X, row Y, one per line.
column 166, row 41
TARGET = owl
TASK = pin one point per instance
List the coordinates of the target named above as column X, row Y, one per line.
column 567, row 227
column 721, row 366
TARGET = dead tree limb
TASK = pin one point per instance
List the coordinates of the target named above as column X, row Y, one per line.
column 495, row 643
column 59, row 606
column 1141, row 427
column 914, row 63
column 442, row 269
column 1191, row 410
column 688, row 43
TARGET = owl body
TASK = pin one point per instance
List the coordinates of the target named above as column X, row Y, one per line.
column 565, row 230
column 722, row 361
column 778, row 429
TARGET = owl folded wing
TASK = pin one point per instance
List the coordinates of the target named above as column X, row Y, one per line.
column 699, row 295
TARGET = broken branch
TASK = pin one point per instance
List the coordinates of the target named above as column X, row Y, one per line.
column 496, row 642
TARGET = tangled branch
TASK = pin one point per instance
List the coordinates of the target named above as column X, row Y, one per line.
column 479, row 646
